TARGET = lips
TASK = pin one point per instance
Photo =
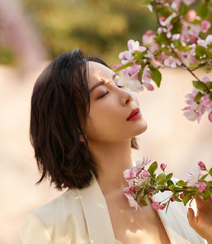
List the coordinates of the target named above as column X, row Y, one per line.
column 134, row 113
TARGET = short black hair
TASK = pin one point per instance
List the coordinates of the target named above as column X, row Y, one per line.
column 60, row 105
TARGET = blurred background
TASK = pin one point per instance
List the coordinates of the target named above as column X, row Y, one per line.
column 32, row 33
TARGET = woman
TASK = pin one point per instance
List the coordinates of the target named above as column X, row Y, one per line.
column 82, row 128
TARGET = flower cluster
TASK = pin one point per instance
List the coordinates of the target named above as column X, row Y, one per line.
column 175, row 43
column 199, row 101
column 144, row 184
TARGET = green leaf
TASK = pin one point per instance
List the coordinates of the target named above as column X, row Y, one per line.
column 168, row 177
column 170, row 182
column 155, row 75
column 200, row 51
column 199, row 85
column 186, row 199
column 210, row 96
column 176, row 28
column 206, row 195
column 171, row 187
column 181, row 183
column 209, row 85
column 145, row 2
column 160, row 177
column 177, row 189
column 207, row 68
column 210, row 171
column 152, row 168
column 198, row 97
column 140, row 75
column 178, row 199
column 139, row 55
column 144, row 201
column 124, row 66
column 184, row 9
column 202, row 178
column 203, row 10
column 161, row 38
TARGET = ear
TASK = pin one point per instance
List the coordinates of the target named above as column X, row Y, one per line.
column 82, row 138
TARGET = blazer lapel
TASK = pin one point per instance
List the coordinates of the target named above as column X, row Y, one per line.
column 96, row 214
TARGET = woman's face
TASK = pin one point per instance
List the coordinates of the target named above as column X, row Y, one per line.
column 110, row 108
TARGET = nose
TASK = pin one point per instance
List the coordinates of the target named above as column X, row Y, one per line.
column 126, row 97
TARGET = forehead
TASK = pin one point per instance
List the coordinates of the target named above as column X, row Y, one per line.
column 97, row 72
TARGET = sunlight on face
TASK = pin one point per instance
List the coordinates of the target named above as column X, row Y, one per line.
column 110, row 107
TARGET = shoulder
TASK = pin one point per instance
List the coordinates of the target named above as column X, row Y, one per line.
column 63, row 216
column 175, row 220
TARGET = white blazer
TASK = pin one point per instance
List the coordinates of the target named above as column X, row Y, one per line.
column 82, row 217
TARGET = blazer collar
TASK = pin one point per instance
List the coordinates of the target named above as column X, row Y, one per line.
column 96, row 214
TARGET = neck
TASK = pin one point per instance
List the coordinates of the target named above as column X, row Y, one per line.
column 112, row 160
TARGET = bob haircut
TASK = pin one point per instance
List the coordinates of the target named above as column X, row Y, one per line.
column 60, row 106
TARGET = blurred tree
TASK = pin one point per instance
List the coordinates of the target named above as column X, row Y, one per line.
column 98, row 27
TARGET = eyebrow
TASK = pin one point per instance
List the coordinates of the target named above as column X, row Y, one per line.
column 102, row 82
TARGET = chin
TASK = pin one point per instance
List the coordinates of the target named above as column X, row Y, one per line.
column 143, row 127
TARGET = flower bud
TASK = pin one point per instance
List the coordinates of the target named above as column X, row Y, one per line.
column 201, row 186
column 182, row 195
column 161, row 207
column 202, row 165
column 172, row 199
column 191, row 15
column 163, row 166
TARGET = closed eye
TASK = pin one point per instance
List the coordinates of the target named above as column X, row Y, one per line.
column 103, row 95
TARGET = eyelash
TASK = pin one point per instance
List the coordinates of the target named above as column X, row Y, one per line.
column 103, row 95
column 108, row 92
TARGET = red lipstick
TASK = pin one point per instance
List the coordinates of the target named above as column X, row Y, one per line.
column 135, row 114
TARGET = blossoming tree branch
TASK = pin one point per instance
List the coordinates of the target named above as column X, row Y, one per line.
column 145, row 183
column 175, row 43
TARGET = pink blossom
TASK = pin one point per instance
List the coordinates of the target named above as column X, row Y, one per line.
column 188, row 57
column 191, row 114
column 146, row 77
column 155, row 61
column 162, row 206
column 176, row 37
column 182, row 195
column 163, row 166
column 201, row 186
column 205, row 79
column 172, row 62
column 205, row 42
column 175, row 4
column 193, row 176
column 145, row 174
column 149, row 39
column 202, row 165
column 141, row 164
column 129, row 81
column 127, row 56
column 191, row 15
column 132, row 202
column 194, row 111
column 189, row 2
column 167, row 21
column 116, row 66
column 156, row 205
column 210, row 117
column 205, row 25
column 189, row 31
column 128, row 174
column 172, row 199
